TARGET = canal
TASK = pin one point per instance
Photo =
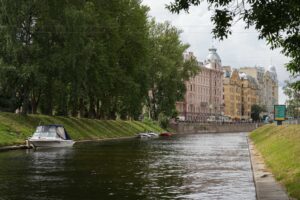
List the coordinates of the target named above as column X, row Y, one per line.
column 199, row 166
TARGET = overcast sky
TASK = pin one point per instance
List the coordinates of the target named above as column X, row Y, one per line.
column 240, row 49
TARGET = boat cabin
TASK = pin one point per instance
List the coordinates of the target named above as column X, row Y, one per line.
column 51, row 131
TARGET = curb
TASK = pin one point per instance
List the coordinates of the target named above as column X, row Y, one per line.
column 252, row 169
column 266, row 187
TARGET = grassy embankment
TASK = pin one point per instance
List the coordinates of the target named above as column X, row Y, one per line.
column 14, row 129
column 280, row 147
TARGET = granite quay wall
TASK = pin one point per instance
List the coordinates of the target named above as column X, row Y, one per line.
column 186, row 128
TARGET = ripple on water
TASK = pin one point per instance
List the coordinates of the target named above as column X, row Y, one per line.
column 202, row 166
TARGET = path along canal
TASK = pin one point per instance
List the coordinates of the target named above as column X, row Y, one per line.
column 199, row 166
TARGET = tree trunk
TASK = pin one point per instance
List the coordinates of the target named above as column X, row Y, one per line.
column 81, row 107
column 98, row 113
column 48, row 98
column 34, row 107
column 25, row 106
column 92, row 112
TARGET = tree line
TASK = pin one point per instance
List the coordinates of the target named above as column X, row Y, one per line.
column 88, row 58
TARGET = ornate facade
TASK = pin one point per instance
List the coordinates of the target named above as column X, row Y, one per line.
column 232, row 93
column 203, row 96
column 218, row 90
column 240, row 93
column 268, row 86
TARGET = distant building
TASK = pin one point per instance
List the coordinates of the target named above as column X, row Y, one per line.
column 204, row 95
column 232, row 93
column 250, row 94
column 270, row 89
column 240, row 93
column 268, row 85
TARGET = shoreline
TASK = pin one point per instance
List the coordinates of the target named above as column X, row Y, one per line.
column 24, row 146
column 15, row 129
column 14, row 147
column 266, row 187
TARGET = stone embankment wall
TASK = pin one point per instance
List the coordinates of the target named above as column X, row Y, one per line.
column 184, row 128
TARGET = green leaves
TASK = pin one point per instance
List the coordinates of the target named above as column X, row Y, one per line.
column 96, row 59
column 223, row 20
column 168, row 70
column 179, row 5
column 276, row 21
column 255, row 112
column 292, row 91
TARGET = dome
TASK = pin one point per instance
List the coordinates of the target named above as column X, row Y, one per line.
column 213, row 60
column 272, row 69
column 243, row 75
column 213, row 56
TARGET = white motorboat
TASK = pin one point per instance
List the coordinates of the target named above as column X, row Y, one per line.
column 51, row 136
column 153, row 135
column 143, row 135
column 147, row 135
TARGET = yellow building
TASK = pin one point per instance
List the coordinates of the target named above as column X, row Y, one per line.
column 232, row 93
column 268, row 85
column 240, row 93
column 250, row 94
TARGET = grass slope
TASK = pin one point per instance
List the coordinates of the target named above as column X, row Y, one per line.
column 14, row 129
column 280, row 147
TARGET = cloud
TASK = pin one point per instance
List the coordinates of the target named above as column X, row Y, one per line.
column 242, row 48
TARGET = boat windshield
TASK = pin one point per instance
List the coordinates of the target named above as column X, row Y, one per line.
column 45, row 131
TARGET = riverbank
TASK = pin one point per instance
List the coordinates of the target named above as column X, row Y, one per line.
column 279, row 147
column 15, row 128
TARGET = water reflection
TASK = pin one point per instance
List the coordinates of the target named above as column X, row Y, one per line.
column 207, row 166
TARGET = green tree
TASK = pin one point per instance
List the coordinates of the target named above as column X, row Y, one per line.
column 96, row 59
column 293, row 101
column 74, row 57
column 276, row 21
column 168, row 69
column 8, row 99
column 256, row 110
column 18, row 48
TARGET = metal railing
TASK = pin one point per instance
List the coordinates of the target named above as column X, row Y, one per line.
column 191, row 117
column 292, row 121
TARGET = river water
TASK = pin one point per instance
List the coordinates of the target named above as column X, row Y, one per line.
column 200, row 166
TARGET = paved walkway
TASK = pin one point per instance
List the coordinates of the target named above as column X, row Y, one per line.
column 266, row 186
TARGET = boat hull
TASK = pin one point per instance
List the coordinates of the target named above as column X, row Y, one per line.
column 166, row 134
column 147, row 135
column 52, row 143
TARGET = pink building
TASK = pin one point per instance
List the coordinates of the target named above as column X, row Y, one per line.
column 204, row 92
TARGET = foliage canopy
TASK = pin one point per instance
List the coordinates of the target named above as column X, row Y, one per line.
column 93, row 59
column 276, row 21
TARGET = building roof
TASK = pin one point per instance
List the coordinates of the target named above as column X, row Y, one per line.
column 272, row 68
column 213, row 60
column 213, row 55
column 272, row 72
column 251, row 79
